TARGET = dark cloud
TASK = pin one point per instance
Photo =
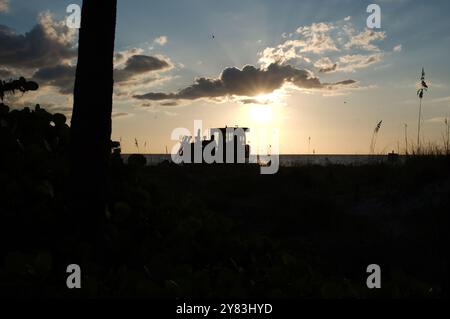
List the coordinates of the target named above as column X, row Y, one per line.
column 346, row 82
column 60, row 76
column 138, row 65
column 328, row 69
column 5, row 74
column 254, row 101
column 45, row 45
column 63, row 76
column 169, row 103
column 66, row 110
column 249, row 81
column 120, row 114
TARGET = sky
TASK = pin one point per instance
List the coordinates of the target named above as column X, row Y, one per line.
column 310, row 69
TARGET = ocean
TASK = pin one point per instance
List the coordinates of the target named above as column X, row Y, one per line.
column 293, row 160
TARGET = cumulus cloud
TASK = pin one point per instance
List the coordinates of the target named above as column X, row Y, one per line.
column 4, row 5
column 161, row 40
column 48, row 43
column 59, row 76
column 121, row 57
column 316, row 38
column 364, row 40
column 350, row 63
column 139, row 64
column 325, row 65
column 248, row 81
column 337, row 40
column 62, row 76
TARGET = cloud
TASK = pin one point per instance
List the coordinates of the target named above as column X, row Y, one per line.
column 122, row 57
column 5, row 73
column 59, row 76
column 350, row 63
column 398, row 48
column 4, row 5
column 169, row 103
column 441, row 99
column 328, row 69
column 325, row 65
column 316, row 38
column 63, row 76
column 49, row 43
column 116, row 115
column 249, row 82
column 364, row 40
column 255, row 101
column 339, row 40
column 161, row 40
column 140, row 64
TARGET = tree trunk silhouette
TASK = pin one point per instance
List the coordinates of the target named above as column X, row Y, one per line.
column 91, row 117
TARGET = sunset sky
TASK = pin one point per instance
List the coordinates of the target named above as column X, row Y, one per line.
column 308, row 68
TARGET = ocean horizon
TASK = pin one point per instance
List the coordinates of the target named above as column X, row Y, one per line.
column 292, row 159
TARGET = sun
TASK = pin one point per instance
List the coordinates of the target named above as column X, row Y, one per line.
column 261, row 110
column 261, row 114
column 269, row 98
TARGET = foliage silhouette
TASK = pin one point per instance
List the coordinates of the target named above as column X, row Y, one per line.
column 201, row 231
column 21, row 85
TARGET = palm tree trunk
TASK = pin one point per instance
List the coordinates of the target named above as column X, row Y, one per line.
column 91, row 117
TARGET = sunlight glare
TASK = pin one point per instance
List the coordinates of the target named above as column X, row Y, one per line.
column 261, row 114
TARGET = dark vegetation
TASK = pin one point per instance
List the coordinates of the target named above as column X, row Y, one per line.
column 223, row 231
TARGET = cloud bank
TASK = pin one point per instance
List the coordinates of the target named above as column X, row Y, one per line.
column 4, row 5
column 48, row 43
column 327, row 47
column 249, row 81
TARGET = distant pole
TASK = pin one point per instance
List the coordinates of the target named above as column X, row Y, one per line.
column 406, row 139
column 448, row 134
column 418, row 124
column 309, row 144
